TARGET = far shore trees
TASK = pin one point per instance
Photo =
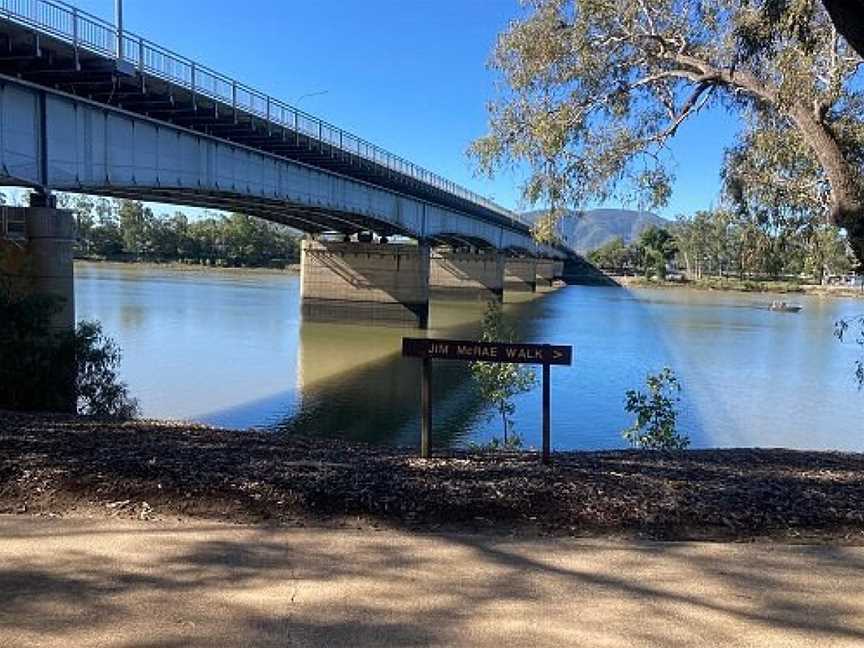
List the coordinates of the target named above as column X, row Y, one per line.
column 129, row 230
column 657, row 247
column 613, row 255
column 596, row 90
column 723, row 243
column 726, row 243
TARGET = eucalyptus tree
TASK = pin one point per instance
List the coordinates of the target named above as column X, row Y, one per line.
column 594, row 90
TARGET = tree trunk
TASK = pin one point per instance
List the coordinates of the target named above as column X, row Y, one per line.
column 847, row 208
column 847, row 18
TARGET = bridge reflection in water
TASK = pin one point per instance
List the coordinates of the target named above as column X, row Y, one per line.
column 353, row 383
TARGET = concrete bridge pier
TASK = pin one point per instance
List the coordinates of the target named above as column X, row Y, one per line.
column 558, row 269
column 545, row 273
column 36, row 245
column 466, row 276
column 520, row 274
column 36, row 259
column 365, row 283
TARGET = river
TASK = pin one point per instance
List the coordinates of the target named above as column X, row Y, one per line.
column 230, row 349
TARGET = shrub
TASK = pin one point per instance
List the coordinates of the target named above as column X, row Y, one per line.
column 499, row 383
column 656, row 413
column 100, row 392
column 46, row 370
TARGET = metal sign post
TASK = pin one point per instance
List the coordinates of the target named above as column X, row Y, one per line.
column 426, row 408
column 547, row 443
column 472, row 351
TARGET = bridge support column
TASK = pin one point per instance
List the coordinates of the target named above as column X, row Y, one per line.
column 520, row 275
column 466, row 276
column 558, row 269
column 365, row 283
column 37, row 258
column 545, row 273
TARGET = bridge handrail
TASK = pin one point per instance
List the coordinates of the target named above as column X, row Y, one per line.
column 87, row 31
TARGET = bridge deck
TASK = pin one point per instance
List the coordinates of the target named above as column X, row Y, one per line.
column 58, row 46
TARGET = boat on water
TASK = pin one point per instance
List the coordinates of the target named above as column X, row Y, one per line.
column 783, row 307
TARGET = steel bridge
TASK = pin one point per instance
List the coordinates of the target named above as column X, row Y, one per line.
column 86, row 106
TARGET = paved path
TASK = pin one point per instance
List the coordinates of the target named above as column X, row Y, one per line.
column 89, row 583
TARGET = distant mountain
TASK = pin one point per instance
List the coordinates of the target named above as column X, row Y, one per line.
column 588, row 230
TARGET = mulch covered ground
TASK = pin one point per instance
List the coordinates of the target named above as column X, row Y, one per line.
column 61, row 465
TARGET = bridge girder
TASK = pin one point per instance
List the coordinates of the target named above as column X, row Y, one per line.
column 58, row 141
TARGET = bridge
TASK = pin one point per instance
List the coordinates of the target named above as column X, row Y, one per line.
column 87, row 106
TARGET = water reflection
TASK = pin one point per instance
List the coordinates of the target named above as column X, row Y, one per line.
column 352, row 382
column 353, row 388
column 231, row 349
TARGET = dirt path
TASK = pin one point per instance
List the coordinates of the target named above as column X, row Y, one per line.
column 95, row 582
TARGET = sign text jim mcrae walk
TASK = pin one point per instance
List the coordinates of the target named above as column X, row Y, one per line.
column 474, row 351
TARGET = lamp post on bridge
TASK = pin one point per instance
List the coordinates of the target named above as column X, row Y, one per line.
column 303, row 96
column 118, row 23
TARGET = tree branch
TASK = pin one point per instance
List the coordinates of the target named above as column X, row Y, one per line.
column 690, row 106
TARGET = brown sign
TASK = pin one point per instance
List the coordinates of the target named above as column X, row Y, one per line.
column 473, row 351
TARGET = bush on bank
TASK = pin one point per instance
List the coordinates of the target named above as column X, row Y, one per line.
column 42, row 369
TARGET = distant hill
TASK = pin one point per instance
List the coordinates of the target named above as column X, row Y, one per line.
column 588, row 230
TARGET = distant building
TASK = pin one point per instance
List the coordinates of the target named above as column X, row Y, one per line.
column 851, row 280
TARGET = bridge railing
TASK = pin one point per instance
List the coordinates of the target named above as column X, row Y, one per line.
column 89, row 32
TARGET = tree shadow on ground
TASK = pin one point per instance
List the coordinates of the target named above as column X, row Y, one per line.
column 132, row 585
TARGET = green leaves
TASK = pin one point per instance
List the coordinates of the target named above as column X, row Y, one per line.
column 118, row 228
column 47, row 370
column 656, row 413
column 755, row 244
column 100, row 391
column 658, row 247
column 593, row 91
column 499, row 383
column 614, row 255
column 843, row 330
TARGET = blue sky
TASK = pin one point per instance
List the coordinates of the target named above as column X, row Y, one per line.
column 410, row 76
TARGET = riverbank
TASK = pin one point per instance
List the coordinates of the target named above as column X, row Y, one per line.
column 65, row 466
column 730, row 284
column 176, row 266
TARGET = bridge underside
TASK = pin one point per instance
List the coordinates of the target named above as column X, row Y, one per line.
column 349, row 282
column 55, row 141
